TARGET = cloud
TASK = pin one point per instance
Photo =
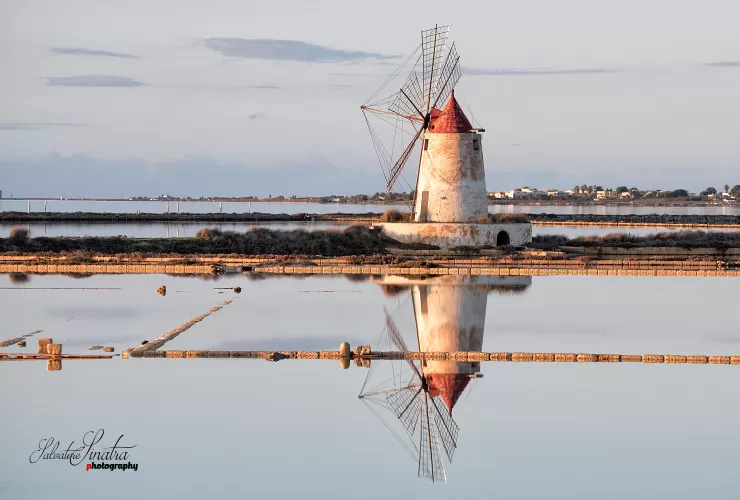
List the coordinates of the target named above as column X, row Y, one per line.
column 725, row 64
column 256, row 116
column 535, row 71
column 286, row 50
column 90, row 52
column 93, row 81
column 38, row 125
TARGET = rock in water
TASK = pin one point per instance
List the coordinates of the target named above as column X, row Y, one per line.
column 162, row 290
column 108, row 349
column 21, row 343
column 237, row 289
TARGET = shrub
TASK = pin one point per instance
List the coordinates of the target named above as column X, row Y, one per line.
column 208, row 233
column 392, row 215
column 19, row 235
column 507, row 218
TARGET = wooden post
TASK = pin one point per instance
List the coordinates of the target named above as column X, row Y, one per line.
column 54, row 349
column 53, row 365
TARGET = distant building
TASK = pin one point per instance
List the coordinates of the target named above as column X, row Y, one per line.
column 607, row 193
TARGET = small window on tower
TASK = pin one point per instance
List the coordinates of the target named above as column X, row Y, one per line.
column 476, row 145
column 426, row 144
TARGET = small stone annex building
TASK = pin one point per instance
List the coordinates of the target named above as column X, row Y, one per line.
column 451, row 204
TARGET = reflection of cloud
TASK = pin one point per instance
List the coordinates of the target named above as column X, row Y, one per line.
column 90, row 52
column 285, row 50
column 93, row 81
column 535, row 71
column 725, row 64
column 38, row 125
column 256, row 116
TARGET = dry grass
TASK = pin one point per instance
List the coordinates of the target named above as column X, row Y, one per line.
column 507, row 218
column 392, row 215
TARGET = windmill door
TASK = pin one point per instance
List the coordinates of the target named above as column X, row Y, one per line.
column 424, row 212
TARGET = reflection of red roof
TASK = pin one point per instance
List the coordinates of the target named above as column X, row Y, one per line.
column 448, row 385
column 450, row 120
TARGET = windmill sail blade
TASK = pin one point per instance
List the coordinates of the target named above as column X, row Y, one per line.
column 409, row 101
column 398, row 167
column 447, row 429
column 430, row 459
column 433, row 44
column 398, row 341
column 406, row 405
column 448, row 77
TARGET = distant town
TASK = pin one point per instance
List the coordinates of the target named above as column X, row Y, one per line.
column 584, row 194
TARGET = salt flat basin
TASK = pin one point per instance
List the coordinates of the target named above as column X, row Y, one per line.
column 542, row 424
column 185, row 229
column 102, row 206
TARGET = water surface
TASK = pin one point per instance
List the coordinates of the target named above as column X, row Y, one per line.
column 296, row 429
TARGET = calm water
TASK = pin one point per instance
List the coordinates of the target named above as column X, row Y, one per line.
column 188, row 229
column 328, row 208
column 296, row 429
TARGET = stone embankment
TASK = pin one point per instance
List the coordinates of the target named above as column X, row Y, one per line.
column 206, row 218
column 622, row 262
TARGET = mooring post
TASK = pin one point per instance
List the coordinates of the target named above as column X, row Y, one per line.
column 44, row 206
column 29, row 207
column 345, row 354
column 220, row 207
column 42, row 345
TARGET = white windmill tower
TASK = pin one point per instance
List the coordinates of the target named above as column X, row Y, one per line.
column 450, row 196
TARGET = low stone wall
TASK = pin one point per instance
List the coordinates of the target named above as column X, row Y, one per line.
column 448, row 235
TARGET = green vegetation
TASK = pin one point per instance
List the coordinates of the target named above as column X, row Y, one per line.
column 679, row 239
column 355, row 240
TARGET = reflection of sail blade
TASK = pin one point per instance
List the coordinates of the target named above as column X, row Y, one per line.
column 430, row 458
column 398, row 340
column 447, row 428
column 407, row 408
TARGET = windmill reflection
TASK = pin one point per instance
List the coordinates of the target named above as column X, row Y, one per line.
column 449, row 316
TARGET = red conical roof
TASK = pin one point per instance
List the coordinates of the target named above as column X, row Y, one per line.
column 448, row 385
column 451, row 120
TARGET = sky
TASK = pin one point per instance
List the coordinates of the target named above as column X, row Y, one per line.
column 242, row 98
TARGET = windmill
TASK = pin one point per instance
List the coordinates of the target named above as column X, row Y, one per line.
column 435, row 71
column 416, row 402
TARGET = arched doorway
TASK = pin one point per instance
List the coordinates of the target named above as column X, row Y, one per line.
column 502, row 239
